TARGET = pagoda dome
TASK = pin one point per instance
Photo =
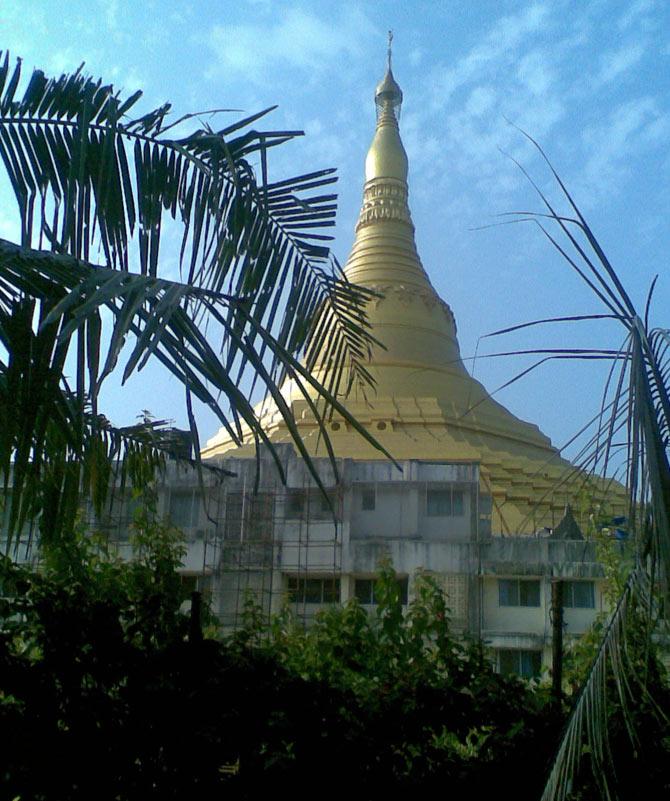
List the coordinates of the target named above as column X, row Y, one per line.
column 425, row 405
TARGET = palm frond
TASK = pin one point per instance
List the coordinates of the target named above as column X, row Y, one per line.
column 614, row 679
column 95, row 188
column 636, row 404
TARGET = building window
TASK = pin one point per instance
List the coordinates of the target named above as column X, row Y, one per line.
column 184, row 509
column 323, row 503
column 579, row 595
column 319, row 508
column 259, row 517
column 365, row 591
column 191, row 582
column 314, row 590
column 518, row 592
column 444, row 503
column 250, row 516
column 295, row 504
column 522, row 663
column 368, row 500
column 116, row 520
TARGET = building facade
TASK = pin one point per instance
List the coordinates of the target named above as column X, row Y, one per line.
column 476, row 499
column 252, row 536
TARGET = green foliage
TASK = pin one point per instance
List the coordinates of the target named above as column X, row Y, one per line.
column 82, row 572
column 103, row 699
column 73, row 636
column 105, row 695
column 432, row 704
column 617, row 559
column 351, row 648
column 636, row 732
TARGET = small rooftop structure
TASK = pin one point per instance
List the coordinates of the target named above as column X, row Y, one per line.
column 568, row 528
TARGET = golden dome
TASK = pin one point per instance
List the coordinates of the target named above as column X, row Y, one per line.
column 425, row 404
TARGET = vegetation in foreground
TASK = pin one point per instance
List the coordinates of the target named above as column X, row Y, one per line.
column 109, row 692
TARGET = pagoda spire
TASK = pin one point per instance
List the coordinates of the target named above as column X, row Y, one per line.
column 384, row 250
column 386, row 157
column 424, row 404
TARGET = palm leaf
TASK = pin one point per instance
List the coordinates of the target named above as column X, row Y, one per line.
column 256, row 274
column 636, row 404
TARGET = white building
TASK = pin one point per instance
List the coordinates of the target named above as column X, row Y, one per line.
column 288, row 545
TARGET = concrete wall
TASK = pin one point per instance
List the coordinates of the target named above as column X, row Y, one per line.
column 512, row 619
column 244, row 543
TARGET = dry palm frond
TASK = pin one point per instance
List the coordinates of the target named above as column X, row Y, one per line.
column 635, row 405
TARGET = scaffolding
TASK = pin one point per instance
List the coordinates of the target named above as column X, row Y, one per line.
column 257, row 542
column 276, row 541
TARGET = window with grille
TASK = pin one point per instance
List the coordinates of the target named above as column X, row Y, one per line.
column 444, row 503
column 314, row 590
column 192, row 582
column 522, row 663
column 295, row 504
column 365, row 590
column 518, row 592
column 184, row 509
column 260, row 517
column 320, row 506
column 119, row 516
column 579, row 595
column 368, row 500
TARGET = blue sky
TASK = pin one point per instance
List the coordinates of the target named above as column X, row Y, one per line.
column 589, row 80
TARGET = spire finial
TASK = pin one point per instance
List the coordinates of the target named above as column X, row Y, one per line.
column 388, row 95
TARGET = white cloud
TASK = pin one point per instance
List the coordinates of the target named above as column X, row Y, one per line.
column 616, row 62
column 526, row 68
column 111, row 13
column 514, row 72
column 480, row 101
column 615, row 143
column 634, row 12
column 539, row 119
column 183, row 15
column 128, row 79
column 498, row 47
column 111, row 23
column 416, row 56
column 656, row 131
column 534, row 72
column 298, row 40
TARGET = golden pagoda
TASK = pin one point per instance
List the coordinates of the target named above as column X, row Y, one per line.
column 425, row 405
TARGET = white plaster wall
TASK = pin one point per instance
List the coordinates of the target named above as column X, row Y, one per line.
column 295, row 558
column 447, row 527
column 194, row 560
column 362, row 557
column 395, row 513
column 531, row 619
